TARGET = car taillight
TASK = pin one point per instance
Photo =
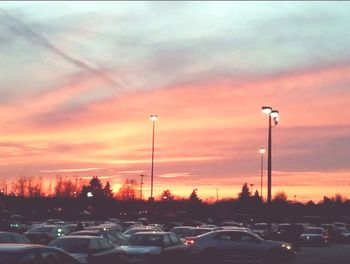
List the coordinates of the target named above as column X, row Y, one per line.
column 189, row 242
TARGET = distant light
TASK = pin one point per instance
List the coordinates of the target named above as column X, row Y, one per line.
column 262, row 150
column 274, row 114
column 266, row 110
column 89, row 194
column 154, row 118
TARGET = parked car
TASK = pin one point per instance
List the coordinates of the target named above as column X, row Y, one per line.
column 261, row 229
column 10, row 237
column 231, row 245
column 154, row 248
column 332, row 231
column 289, row 232
column 115, row 238
column 315, row 236
column 43, row 234
column 88, row 249
column 343, row 234
column 33, row 254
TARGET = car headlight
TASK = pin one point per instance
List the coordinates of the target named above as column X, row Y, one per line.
column 286, row 246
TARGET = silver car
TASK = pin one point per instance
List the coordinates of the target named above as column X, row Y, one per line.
column 237, row 245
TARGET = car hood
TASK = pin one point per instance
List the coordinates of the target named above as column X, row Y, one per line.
column 273, row 243
column 140, row 250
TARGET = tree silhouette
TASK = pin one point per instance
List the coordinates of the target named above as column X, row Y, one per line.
column 245, row 192
column 280, row 197
column 166, row 196
column 107, row 190
column 194, row 196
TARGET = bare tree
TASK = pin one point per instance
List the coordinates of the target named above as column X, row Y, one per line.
column 128, row 191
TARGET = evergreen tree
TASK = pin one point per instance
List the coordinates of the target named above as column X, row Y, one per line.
column 194, row 196
column 245, row 192
column 107, row 190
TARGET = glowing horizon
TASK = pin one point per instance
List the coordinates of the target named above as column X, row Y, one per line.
column 80, row 81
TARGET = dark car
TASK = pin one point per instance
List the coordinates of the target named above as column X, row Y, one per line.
column 154, row 247
column 43, row 234
column 241, row 245
column 315, row 236
column 9, row 237
column 33, row 254
column 115, row 238
column 88, row 249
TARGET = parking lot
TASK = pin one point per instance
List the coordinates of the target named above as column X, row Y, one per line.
column 333, row 254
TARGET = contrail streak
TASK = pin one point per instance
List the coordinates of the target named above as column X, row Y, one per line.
column 20, row 28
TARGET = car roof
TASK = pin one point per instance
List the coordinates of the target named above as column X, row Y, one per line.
column 153, row 233
column 7, row 247
column 90, row 231
column 82, row 237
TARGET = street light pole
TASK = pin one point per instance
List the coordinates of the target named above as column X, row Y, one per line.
column 141, row 185
column 273, row 114
column 262, row 152
column 269, row 163
column 154, row 118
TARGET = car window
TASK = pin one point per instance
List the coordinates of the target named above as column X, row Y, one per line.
column 236, row 236
column 104, row 244
column 20, row 239
column 56, row 258
column 94, row 245
column 111, row 238
column 247, row 237
column 166, row 241
column 30, row 258
column 223, row 236
column 49, row 258
column 6, row 238
column 175, row 240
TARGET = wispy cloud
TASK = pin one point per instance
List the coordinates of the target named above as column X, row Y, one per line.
column 175, row 175
column 71, row 170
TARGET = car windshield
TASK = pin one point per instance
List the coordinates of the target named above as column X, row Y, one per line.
column 71, row 245
column 313, row 231
column 146, row 240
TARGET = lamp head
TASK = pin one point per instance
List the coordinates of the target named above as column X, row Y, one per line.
column 274, row 114
column 154, row 118
column 262, row 151
column 266, row 110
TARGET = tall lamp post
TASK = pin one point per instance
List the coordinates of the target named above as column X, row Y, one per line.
column 262, row 152
column 273, row 115
column 154, row 118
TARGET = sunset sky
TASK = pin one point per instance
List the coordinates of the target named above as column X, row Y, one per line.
column 79, row 80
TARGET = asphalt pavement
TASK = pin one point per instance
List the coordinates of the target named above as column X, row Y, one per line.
column 333, row 254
